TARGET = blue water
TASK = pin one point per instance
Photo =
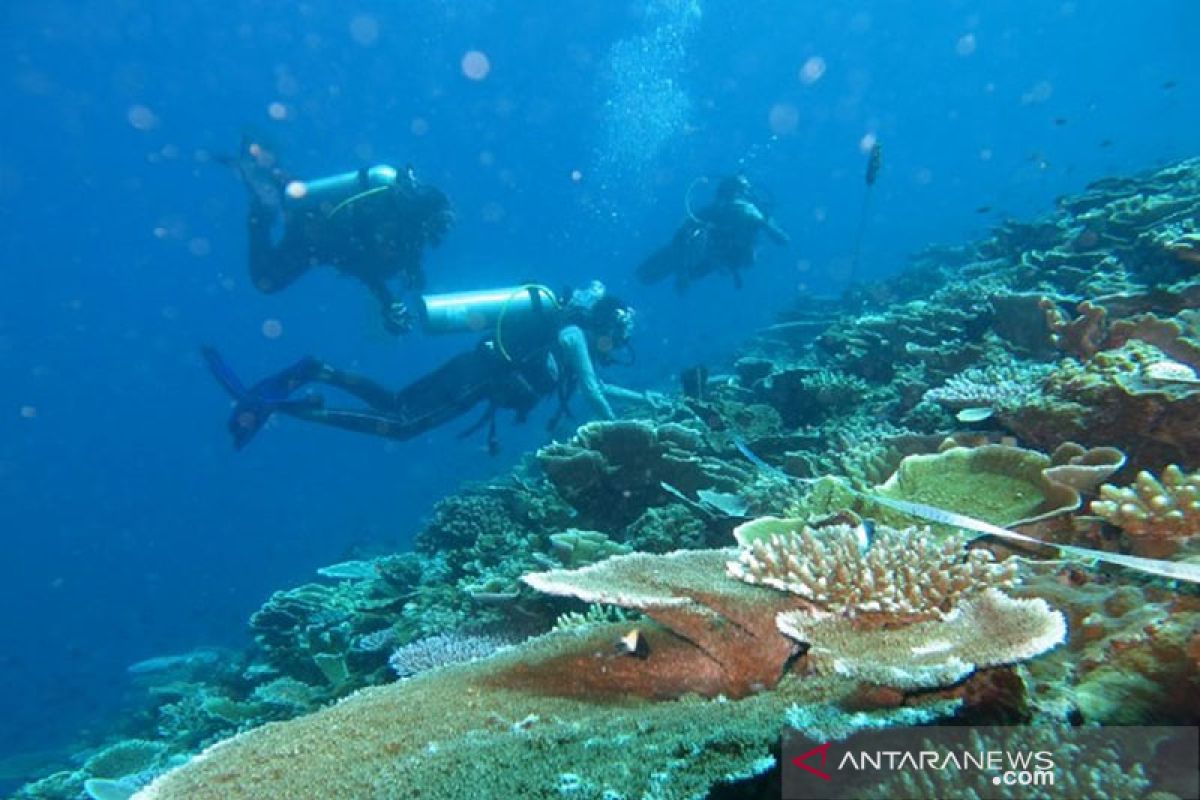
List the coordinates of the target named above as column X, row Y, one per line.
column 132, row 529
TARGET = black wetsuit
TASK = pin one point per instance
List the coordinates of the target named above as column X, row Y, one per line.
column 373, row 238
column 721, row 236
column 514, row 373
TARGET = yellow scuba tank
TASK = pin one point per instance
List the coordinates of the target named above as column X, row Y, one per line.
column 459, row 312
column 333, row 194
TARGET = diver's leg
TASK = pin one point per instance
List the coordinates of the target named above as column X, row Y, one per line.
column 273, row 266
column 376, row 395
column 427, row 403
column 370, row 422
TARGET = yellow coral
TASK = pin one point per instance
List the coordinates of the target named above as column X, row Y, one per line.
column 1169, row 508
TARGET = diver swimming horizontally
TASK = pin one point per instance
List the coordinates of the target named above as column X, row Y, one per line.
column 537, row 347
column 371, row 224
column 720, row 236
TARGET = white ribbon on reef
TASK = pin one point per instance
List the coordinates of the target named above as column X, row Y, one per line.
column 1175, row 570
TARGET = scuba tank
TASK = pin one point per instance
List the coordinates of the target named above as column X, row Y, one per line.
column 458, row 312
column 333, row 193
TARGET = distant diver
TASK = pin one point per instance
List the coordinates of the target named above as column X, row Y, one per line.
column 874, row 164
column 536, row 347
column 371, row 224
column 720, row 236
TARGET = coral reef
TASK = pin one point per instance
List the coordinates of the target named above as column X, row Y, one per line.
column 439, row 651
column 1076, row 334
column 610, row 472
column 718, row 636
column 1156, row 516
column 983, row 630
column 905, row 574
column 420, row 737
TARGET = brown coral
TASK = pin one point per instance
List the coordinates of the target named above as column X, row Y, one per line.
column 717, row 637
column 1156, row 515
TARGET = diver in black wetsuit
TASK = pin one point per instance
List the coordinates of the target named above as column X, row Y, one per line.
column 720, row 236
column 538, row 347
column 371, row 224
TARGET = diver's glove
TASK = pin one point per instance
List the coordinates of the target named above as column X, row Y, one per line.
column 397, row 319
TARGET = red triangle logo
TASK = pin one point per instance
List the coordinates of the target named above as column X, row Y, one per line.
column 823, row 750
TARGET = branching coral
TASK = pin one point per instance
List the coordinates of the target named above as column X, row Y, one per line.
column 1156, row 515
column 438, row 651
column 995, row 385
column 907, row 574
column 902, row 611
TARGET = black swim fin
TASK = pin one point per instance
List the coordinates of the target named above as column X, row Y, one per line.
column 258, row 167
column 254, row 406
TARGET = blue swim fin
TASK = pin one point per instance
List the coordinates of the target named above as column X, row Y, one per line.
column 254, row 406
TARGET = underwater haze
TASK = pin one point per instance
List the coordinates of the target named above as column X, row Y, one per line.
column 571, row 136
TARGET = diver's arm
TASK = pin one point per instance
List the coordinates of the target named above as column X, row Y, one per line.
column 574, row 343
column 753, row 212
column 574, row 346
column 777, row 234
column 397, row 318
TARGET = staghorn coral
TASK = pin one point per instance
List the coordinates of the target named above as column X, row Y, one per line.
column 905, row 574
column 983, row 630
column 1156, row 516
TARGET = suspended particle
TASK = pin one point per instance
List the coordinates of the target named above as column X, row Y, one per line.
column 272, row 328
column 813, row 70
column 476, row 65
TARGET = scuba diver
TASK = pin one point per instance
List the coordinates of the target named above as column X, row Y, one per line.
column 538, row 346
column 720, row 236
column 371, row 224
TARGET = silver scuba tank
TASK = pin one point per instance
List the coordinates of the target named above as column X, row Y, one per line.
column 458, row 312
column 331, row 192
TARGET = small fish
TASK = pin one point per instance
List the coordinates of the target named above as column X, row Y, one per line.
column 1106, row 142
column 1060, row 121
column 983, row 210
column 634, row 644
column 1169, row 85
column 864, row 535
column 745, row 450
